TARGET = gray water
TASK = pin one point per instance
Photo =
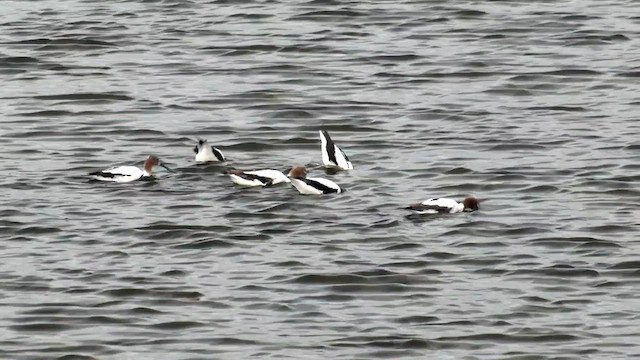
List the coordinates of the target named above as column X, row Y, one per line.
column 532, row 106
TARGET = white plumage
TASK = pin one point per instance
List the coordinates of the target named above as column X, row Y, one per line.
column 315, row 186
column 128, row 173
column 311, row 186
column 121, row 174
column 257, row 177
column 206, row 153
column 445, row 205
column 332, row 155
column 434, row 206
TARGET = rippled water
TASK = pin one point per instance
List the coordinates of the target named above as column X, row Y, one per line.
column 530, row 105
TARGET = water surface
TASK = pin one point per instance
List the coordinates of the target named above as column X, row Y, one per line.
column 532, row 106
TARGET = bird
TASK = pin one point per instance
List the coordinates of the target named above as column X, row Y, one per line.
column 445, row 206
column 266, row 177
column 128, row 173
column 311, row 186
column 332, row 155
column 206, row 153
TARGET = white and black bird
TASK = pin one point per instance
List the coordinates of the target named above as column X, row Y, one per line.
column 445, row 206
column 128, row 173
column 266, row 177
column 332, row 155
column 207, row 153
column 311, row 186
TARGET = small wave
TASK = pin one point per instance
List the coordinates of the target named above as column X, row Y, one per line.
column 176, row 325
column 86, row 96
column 559, row 108
column 626, row 265
column 584, row 242
column 41, row 327
column 341, row 13
column 204, row 244
column 406, row 246
column 507, row 338
column 630, row 74
column 468, row 13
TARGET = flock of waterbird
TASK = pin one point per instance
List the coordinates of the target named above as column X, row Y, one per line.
column 333, row 158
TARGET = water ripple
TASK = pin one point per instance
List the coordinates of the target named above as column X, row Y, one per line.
column 531, row 108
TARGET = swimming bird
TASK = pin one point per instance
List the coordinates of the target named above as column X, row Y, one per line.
column 206, row 153
column 332, row 155
column 444, row 205
column 257, row 177
column 311, row 186
column 123, row 174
